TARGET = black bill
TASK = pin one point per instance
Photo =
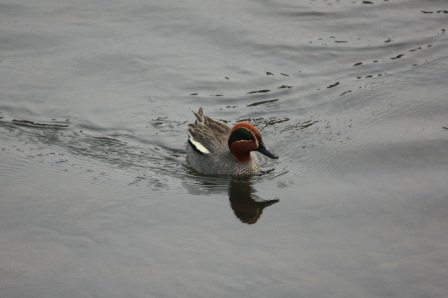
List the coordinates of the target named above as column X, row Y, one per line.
column 263, row 150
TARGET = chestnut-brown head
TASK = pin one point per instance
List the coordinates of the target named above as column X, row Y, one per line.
column 244, row 138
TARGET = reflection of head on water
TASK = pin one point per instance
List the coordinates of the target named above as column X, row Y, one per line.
column 245, row 204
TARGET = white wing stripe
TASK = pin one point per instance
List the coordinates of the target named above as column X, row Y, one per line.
column 198, row 145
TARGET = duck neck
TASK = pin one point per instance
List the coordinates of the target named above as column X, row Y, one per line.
column 241, row 151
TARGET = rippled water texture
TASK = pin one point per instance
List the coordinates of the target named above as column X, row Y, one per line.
column 97, row 200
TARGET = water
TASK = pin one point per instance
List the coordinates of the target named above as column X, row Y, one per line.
column 98, row 201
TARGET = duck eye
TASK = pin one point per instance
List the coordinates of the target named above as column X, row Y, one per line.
column 241, row 134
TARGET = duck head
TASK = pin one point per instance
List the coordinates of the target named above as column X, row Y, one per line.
column 244, row 138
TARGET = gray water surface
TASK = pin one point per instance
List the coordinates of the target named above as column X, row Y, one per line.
column 97, row 200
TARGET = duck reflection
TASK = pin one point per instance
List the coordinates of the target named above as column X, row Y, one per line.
column 247, row 206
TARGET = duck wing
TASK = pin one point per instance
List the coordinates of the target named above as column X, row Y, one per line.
column 207, row 135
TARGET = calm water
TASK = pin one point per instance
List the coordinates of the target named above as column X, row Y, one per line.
column 96, row 199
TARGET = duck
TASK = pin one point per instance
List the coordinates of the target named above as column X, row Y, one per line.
column 213, row 148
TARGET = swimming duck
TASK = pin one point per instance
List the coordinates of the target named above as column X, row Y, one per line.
column 215, row 149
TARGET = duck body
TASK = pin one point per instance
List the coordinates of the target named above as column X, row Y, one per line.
column 216, row 149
